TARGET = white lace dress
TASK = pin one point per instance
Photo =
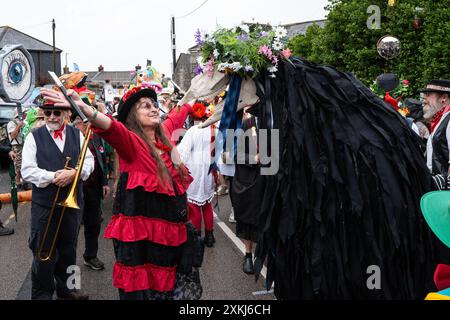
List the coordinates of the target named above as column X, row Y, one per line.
column 195, row 152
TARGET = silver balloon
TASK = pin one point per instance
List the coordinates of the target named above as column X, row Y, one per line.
column 389, row 47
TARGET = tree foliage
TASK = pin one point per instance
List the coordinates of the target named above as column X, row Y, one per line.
column 347, row 43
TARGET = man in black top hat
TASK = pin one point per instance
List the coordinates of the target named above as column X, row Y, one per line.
column 436, row 100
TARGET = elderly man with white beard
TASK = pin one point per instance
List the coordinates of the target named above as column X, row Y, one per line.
column 436, row 110
column 49, row 155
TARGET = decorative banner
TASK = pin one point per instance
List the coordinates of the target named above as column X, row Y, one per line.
column 110, row 93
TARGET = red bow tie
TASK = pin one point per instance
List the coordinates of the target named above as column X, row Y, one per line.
column 58, row 133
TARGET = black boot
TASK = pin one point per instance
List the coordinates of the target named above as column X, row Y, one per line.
column 209, row 239
column 247, row 266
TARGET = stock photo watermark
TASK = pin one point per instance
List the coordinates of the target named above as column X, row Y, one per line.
column 374, row 20
column 374, row 280
column 74, row 280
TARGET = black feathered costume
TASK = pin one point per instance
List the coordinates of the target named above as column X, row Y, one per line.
column 347, row 194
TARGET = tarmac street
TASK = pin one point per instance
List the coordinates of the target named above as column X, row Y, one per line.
column 221, row 274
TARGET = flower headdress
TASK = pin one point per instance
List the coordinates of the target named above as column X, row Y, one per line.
column 246, row 50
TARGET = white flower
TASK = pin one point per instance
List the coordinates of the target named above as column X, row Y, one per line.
column 245, row 28
column 280, row 32
column 216, row 53
column 236, row 66
column 200, row 62
column 272, row 69
column 277, row 45
column 249, row 68
column 222, row 66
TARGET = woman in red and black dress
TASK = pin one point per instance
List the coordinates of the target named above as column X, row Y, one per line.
column 154, row 247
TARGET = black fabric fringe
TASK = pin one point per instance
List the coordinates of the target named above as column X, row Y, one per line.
column 347, row 194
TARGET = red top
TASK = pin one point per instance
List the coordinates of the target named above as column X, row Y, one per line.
column 135, row 158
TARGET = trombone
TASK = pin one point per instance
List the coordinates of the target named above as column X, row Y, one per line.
column 69, row 202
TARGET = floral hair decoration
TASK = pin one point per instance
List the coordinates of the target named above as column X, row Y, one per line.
column 131, row 92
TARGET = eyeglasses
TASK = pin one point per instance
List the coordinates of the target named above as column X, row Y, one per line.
column 48, row 113
column 147, row 104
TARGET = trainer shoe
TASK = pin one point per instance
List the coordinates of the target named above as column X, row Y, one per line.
column 94, row 264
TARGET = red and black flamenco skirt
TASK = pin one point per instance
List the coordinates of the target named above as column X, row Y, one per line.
column 153, row 244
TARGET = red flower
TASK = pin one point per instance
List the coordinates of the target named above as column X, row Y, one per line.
column 199, row 110
column 406, row 82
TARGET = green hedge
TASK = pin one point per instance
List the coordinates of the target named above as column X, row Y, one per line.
column 349, row 45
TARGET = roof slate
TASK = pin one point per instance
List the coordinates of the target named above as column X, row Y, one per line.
column 9, row 35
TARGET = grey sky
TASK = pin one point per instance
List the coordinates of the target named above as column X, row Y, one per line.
column 119, row 34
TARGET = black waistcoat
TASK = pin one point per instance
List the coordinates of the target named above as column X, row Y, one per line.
column 440, row 148
column 50, row 158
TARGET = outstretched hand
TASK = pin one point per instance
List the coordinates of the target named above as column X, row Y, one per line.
column 101, row 121
column 60, row 100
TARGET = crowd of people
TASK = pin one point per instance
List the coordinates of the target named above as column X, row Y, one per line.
column 163, row 188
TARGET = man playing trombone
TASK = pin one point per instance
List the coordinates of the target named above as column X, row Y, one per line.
column 49, row 161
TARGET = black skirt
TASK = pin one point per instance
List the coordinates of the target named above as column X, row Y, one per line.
column 246, row 231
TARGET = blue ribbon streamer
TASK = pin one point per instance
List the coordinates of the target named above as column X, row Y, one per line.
column 230, row 118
